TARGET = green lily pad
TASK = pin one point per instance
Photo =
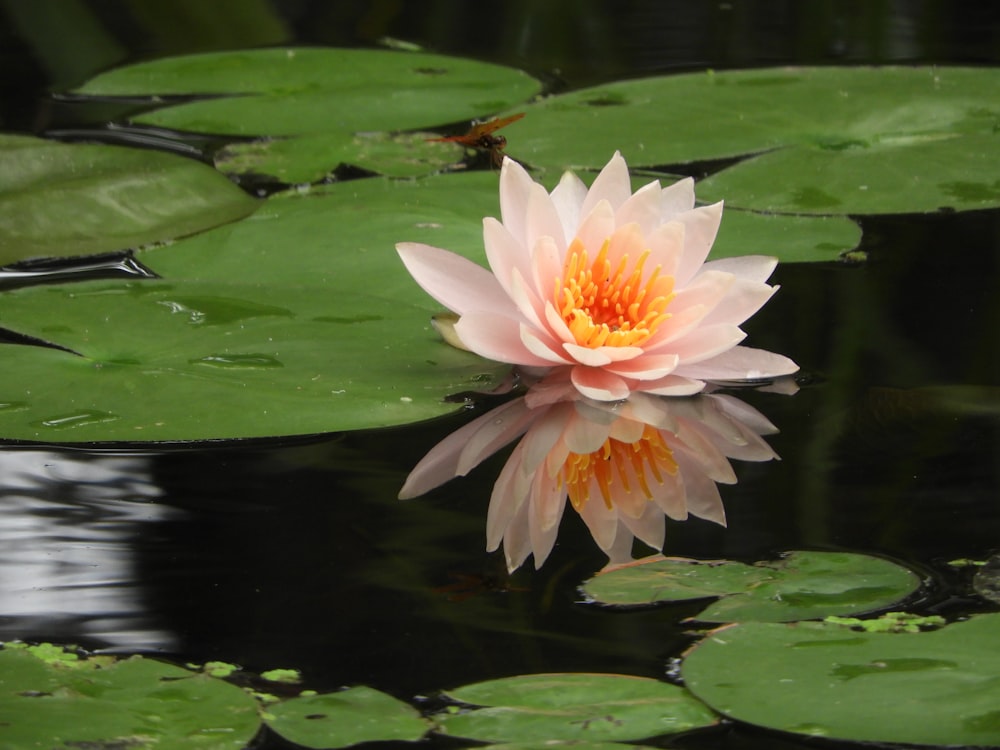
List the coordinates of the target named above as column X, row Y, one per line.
column 59, row 199
column 358, row 714
column 799, row 586
column 825, row 680
column 309, row 158
column 313, row 90
column 588, row 707
column 135, row 703
column 158, row 361
column 834, row 140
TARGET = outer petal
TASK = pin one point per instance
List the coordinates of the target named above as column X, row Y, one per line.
column 613, row 185
column 515, row 189
column 598, row 384
column 505, row 253
column 643, row 208
column 602, row 355
column 677, row 198
column 542, row 218
column 500, row 426
column 456, row 282
column 568, row 198
column 496, row 337
column 740, row 363
column 749, row 267
column 701, row 226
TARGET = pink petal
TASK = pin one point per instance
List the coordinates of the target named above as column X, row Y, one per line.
column 496, row 337
column 743, row 299
column 542, row 219
column 677, row 198
column 704, row 343
column 597, row 226
column 648, row 526
column 598, row 384
column 442, row 462
column 740, row 363
column 642, row 208
column 673, row 385
column 504, row 253
column 568, row 198
column 749, row 267
column 646, row 367
column 456, row 282
column 510, row 492
column 701, row 226
column 666, row 245
column 602, row 355
column 538, row 343
column 548, row 499
column 526, row 301
column 613, row 185
column 515, row 189
column 546, row 266
column 499, row 427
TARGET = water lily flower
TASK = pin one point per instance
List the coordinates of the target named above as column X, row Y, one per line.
column 623, row 466
column 611, row 286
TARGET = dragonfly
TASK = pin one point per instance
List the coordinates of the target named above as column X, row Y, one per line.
column 480, row 136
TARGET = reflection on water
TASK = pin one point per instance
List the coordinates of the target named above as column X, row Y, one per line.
column 67, row 527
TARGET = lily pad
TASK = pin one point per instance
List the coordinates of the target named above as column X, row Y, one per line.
column 831, row 140
column 572, row 706
column 312, row 90
column 59, row 199
column 799, row 586
column 358, row 714
column 135, row 703
column 158, row 361
column 309, row 158
column 826, row 680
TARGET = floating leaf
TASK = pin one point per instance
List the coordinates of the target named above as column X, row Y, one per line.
column 59, row 199
column 316, row 90
column 832, row 140
column 157, row 361
column 799, row 586
column 309, row 158
column 825, row 680
column 135, row 703
column 358, row 714
column 588, row 707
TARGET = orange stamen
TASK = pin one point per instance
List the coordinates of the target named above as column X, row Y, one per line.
column 610, row 307
column 650, row 458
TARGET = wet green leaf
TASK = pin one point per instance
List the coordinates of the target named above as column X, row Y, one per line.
column 358, row 714
column 833, row 140
column 317, row 90
column 135, row 703
column 799, row 586
column 589, row 707
column 825, row 680
column 59, row 199
column 309, row 158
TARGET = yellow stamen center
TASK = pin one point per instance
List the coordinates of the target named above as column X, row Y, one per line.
column 649, row 457
column 611, row 307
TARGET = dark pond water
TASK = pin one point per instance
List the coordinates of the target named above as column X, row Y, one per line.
column 298, row 554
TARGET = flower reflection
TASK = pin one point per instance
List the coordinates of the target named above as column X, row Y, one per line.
column 609, row 285
column 624, row 466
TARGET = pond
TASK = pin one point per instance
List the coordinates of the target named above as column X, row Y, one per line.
column 294, row 552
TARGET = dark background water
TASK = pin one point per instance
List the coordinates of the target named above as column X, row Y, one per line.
column 298, row 554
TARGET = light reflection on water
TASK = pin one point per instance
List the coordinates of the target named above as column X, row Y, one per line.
column 67, row 527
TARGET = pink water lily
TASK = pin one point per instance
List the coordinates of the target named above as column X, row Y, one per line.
column 624, row 467
column 610, row 285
